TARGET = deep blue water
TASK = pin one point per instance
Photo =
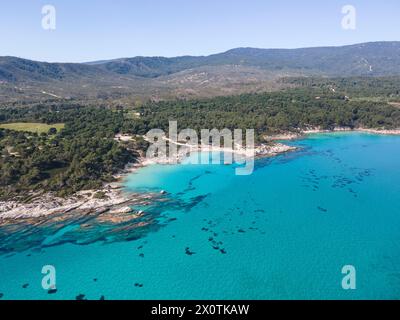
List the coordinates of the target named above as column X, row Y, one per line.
column 284, row 232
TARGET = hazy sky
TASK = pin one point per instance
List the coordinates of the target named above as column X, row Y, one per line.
column 88, row 30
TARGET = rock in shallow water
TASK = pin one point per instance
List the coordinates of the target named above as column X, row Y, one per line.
column 188, row 252
column 121, row 210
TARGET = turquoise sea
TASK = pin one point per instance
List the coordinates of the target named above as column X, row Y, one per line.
column 283, row 232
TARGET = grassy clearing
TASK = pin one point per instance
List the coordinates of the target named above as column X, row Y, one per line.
column 31, row 126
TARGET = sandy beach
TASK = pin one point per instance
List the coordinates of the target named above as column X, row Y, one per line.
column 115, row 200
column 302, row 133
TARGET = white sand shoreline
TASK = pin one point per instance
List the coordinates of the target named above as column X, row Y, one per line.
column 302, row 133
column 363, row 130
column 117, row 200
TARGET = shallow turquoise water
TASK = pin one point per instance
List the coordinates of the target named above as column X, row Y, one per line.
column 284, row 232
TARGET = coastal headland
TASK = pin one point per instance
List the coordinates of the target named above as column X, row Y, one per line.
column 112, row 198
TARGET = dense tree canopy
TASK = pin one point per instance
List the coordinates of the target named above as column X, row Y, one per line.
column 273, row 112
column 81, row 156
column 85, row 154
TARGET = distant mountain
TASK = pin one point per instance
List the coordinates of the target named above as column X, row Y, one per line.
column 149, row 76
column 15, row 69
column 150, row 67
column 374, row 58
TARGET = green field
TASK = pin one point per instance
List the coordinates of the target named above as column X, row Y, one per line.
column 31, row 126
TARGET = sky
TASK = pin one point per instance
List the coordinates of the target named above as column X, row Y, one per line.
column 90, row 30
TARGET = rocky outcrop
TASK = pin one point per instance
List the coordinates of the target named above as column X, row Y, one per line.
column 114, row 200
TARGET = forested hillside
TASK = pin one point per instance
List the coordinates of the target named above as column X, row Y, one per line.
column 274, row 112
column 82, row 153
column 236, row 71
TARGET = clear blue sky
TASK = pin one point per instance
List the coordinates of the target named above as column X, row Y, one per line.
column 88, row 30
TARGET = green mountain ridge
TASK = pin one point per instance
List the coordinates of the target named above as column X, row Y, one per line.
column 352, row 60
column 234, row 71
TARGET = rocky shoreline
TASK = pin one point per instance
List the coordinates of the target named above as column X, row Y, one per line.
column 302, row 133
column 113, row 199
column 360, row 129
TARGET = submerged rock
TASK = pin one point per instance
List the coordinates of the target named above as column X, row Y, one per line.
column 188, row 252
